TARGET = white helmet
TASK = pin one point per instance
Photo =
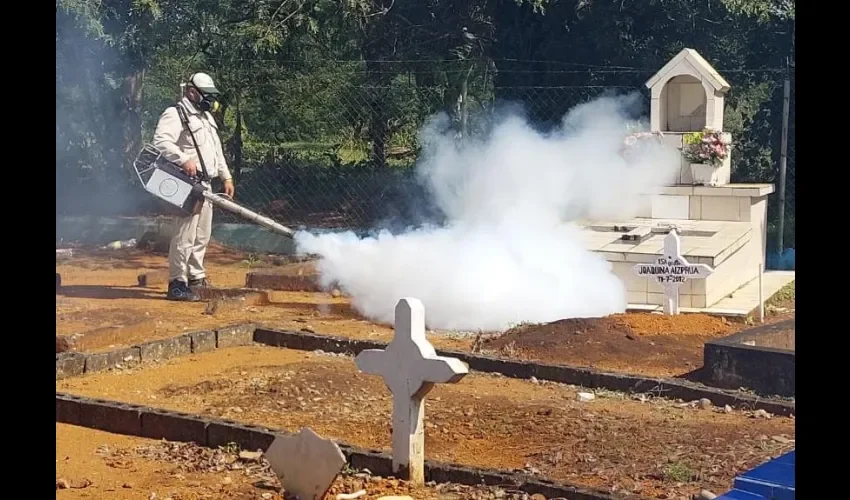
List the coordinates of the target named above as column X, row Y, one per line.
column 204, row 83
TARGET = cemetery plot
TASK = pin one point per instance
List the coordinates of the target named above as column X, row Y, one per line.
column 96, row 464
column 648, row 344
column 101, row 307
column 625, row 443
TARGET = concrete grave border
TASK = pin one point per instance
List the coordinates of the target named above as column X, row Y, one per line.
column 729, row 362
column 72, row 364
column 155, row 423
column 583, row 377
column 267, row 279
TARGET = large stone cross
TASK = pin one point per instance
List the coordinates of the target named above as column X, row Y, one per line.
column 410, row 367
column 672, row 270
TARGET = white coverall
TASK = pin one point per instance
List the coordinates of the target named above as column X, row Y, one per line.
column 189, row 244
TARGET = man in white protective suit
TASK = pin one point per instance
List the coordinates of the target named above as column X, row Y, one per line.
column 187, row 134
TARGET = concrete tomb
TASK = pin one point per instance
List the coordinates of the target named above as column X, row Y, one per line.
column 721, row 225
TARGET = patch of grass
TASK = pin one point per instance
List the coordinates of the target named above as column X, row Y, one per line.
column 305, row 146
column 522, row 325
column 785, row 294
column 252, row 260
column 678, row 472
column 231, row 448
column 510, row 350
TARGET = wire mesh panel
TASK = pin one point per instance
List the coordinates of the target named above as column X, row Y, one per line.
column 334, row 147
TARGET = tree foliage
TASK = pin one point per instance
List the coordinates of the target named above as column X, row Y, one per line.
column 316, row 84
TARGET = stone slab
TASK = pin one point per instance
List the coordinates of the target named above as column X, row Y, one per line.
column 247, row 437
column 738, row 190
column 235, row 335
column 306, row 463
column 159, row 350
column 712, row 240
column 112, row 416
column 174, row 426
column 270, row 280
column 68, row 409
column 104, row 360
column 211, row 293
column 70, row 364
column 220, row 305
column 203, row 341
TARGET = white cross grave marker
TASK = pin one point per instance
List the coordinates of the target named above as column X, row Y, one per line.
column 410, row 367
column 672, row 270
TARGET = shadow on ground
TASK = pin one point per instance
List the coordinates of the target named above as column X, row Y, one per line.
column 336, row 310
column 107, row 292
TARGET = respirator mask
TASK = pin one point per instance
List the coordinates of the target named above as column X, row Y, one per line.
column 208, row 95
column 208, row 102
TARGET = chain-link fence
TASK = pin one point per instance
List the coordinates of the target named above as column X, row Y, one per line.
column 353, row 168
column 335, row 149
column 789, row 233
column 771, row 174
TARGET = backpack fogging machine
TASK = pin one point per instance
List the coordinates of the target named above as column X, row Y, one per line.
column 168, row 182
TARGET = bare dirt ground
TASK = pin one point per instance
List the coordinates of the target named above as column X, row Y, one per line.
column 103, row 308
column 95, row 464
column 654, row 447
column 92, row 464
column 651, row 344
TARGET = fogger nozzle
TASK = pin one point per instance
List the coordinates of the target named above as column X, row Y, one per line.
column 226, row 204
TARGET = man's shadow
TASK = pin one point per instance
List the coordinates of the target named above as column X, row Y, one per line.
column 107, row 292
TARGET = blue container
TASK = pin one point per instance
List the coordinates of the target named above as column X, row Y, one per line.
column 772, row 480
column 784, row 262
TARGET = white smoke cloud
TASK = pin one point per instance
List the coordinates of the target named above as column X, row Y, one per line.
column 508, row 253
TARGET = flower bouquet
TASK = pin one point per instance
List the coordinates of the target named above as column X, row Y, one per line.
column 638, row 139
column 706, row 151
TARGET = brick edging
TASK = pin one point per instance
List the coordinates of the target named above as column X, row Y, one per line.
column 75, row 364
column 584, row 377
column 156, row 423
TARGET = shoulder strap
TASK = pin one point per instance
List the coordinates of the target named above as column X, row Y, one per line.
column 185, row 120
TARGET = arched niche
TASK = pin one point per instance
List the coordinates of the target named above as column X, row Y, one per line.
column 687, row 95
column 683, row 103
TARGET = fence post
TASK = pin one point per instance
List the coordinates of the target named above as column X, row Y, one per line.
column 783, row 160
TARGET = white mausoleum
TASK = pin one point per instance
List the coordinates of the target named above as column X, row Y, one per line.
column 720, row 224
